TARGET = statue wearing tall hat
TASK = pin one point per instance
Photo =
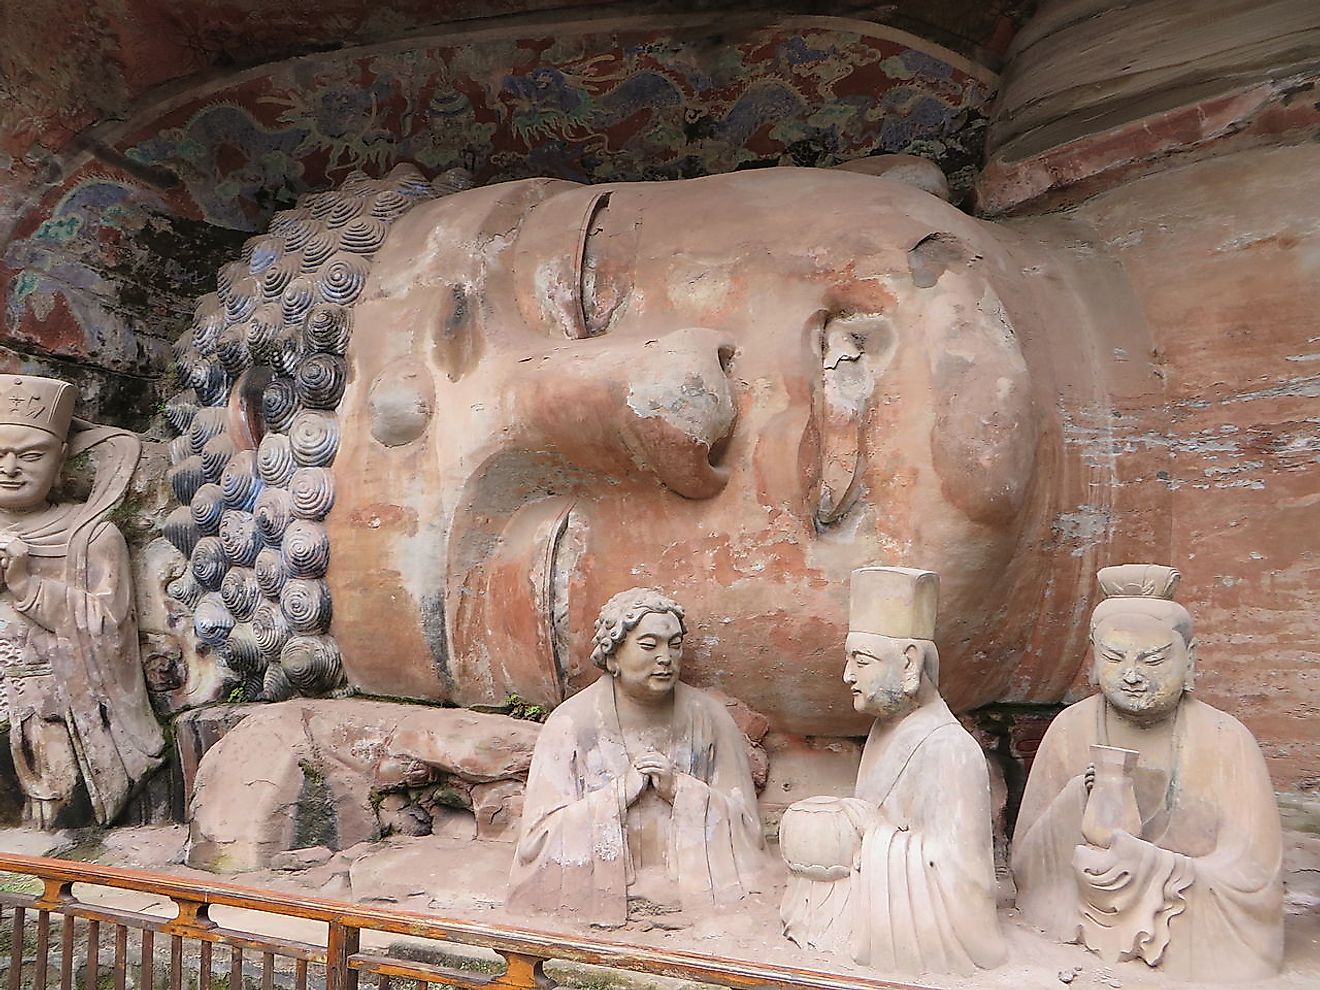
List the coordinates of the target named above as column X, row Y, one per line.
column 81, row 730
column 1149, row 828
column 901, row 876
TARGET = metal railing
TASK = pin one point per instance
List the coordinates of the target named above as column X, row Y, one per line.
column 190, row 948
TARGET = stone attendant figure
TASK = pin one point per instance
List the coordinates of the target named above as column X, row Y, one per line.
column 80, row 726
column 1149, row 828
column 901, row 877
column 639, row 786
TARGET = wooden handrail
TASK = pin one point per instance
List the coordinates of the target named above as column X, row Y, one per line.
column 525, row 949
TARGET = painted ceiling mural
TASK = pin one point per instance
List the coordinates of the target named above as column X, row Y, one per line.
column 102, row 272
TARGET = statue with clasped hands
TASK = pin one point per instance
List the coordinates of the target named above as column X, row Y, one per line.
column 640, row 788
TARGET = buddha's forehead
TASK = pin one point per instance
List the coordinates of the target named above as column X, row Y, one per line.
column 662, row 624
column 1127, row 630
column 764, row 214
column 16, row 436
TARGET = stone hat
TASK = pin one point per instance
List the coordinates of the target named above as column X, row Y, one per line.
column 900, row 602
column 1138, row 581
column 1141, row 589
column 44, row 403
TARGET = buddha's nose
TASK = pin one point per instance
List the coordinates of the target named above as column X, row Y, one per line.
column 681, row 410
column 661, row 404
column 1130, row 676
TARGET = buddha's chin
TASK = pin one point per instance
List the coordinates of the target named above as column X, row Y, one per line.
column 20, row 498
column 1145, row 708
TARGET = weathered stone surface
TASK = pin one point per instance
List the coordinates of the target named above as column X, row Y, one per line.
column 498, row 809
column 915, row 171
column 1096, row 94
column 35, row 842
column 301, row 859
column 477, row 747
column 1221, row 256
column 304, row 773
column 195, row 732
column 457, row 875
column 802, row 768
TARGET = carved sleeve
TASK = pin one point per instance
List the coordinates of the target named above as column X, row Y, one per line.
column 106, row 602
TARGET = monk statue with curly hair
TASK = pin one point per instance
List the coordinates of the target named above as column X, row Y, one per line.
column 640, row 792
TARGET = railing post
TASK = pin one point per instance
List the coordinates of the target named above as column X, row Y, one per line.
column 524, row 973
column 341, row 942
column 192, row 917
column 54, row 893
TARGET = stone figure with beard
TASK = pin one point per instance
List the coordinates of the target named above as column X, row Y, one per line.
column 900, row 877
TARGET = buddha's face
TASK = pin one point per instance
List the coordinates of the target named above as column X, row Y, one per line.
column 1141, row 665
column 882, row 673
column 739, row 388
column 30, row 461
column 646, row 664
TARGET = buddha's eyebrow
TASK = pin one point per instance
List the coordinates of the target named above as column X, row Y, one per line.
column 1147, row 654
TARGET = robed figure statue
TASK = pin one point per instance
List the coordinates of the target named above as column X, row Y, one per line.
column 1149, row 828
column 81, row 729
column 900, row 876
column 640, row 791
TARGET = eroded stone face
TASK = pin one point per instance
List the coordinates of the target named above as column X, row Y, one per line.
column 735, row 388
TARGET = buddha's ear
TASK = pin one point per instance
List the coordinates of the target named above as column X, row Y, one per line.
column 914, row 659
column 1189, row 679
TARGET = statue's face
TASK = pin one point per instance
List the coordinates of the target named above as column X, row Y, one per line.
column 877, row 672
column 646, row 664
column 1141, row 665
column 739, row 388
column 30, row 461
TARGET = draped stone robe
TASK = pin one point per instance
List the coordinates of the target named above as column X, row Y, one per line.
column 1198, row 892
column 921, row 895
column 573, row 856
column 69, row 653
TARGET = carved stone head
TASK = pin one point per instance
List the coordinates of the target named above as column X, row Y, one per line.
column 889, row 648
column 639, row 642
column 1143, row 648
column 34, row 425
column 744, row 386
column 481, row 402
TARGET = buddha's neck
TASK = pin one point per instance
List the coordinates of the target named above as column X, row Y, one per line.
column 1150, row 737
column 16, row 518
column 634, row 714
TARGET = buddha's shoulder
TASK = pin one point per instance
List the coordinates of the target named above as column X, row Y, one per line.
column 576, row 706
column 951, row 743
column 1205, row 719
